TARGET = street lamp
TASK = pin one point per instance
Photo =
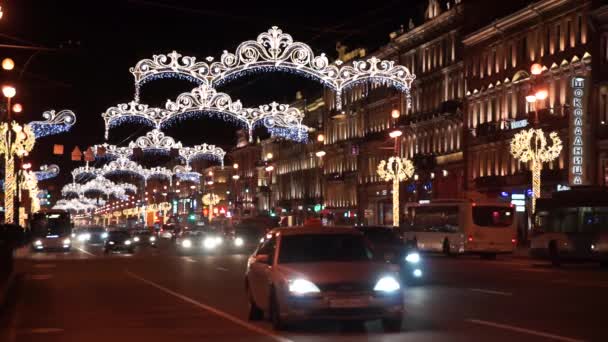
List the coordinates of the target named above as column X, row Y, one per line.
column 395, row 113
column 9, row 91
column 17, row 108
column 235, row 166
column 8, row 64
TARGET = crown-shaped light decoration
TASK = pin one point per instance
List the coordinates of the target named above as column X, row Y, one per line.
column 54, row 123
column 184, row 173
column 47, row 171
column 159, row 172
column 273, row 51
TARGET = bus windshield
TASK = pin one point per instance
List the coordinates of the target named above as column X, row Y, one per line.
column 492, row 216
column 435, row 219
column 53, row 223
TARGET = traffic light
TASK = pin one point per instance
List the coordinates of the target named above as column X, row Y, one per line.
column 48, row 195
column 191, row 217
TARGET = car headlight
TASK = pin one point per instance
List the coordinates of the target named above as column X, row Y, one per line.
column 413, row 258
column 37, row 243
column 81, row 237
column 87, row 237
column 219, row 240
column 152, row 239
column 111, row 242
column 238, row 242
column 136, row 239
column 417, row 273
column 127, row 242
column 387, row 284
column 73, row 235
column 104, row 235
column 302, row 286
column 67, row 241
column 186, row 243
column 209, row 243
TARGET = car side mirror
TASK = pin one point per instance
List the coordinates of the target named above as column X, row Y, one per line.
column 262, row 258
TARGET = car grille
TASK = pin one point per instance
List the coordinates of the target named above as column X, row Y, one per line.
column 347, row 312
column 346, row 287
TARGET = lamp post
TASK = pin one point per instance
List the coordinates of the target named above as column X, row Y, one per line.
column 210, row 200
column 531, row 145
column 320, row 154
column 396, row 170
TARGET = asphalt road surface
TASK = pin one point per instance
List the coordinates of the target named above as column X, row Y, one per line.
column 158, row 295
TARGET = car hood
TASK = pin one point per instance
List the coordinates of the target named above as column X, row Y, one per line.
column 337, row 272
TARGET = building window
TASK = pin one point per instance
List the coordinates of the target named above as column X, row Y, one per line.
column 568, row 33
column 548, row 41
column 558, row 36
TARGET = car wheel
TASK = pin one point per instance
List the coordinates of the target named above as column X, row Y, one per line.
column 554, row 254
column 275, row 317
column 391, row 324
column 255, row 313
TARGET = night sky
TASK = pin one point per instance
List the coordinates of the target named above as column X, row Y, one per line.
column 98, row 41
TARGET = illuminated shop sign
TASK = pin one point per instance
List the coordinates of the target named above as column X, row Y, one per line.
column 577, row 129
column 518, row 124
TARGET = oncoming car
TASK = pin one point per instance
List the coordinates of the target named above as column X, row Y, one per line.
column 322, row 273
column 119, row 240
column 198, row 241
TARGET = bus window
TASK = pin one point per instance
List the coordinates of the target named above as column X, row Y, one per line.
column 594, row 220
column 489, row 216
column 436, row 219
column 567, row 221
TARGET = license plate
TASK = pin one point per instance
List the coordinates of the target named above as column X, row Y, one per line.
column 349, row 303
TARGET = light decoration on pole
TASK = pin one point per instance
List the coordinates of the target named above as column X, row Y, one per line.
column 15, row 140
column 210, row 200
column 55, row 123
column 273, row 51
column 280, row 119
column 396, row 170
column 184, row 173
column 29, row 182
column 47, row 172
column 531, row 146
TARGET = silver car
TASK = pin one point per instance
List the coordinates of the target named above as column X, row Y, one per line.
column 322, row 273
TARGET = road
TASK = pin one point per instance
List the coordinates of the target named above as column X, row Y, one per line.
column 158, row 295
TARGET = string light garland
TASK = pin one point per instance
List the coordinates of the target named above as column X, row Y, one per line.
column 55, row 123
column 396, row 170
column 272, row 51
column 184, row 173
column 531, row 146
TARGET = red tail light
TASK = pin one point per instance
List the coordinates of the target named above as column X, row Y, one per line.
column 470, row 238
column 513, row 241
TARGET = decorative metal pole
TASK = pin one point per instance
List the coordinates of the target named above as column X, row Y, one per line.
column 395, row 169
column 531, row 146
column 211, row 200
column 15, row 140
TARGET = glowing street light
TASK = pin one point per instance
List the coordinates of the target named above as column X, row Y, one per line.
column 320, row 154
column 17, row 108
column 396, row 170
column 395, row 113
column 531, row 146
column 321, row 137
column 269, row 156
column 536, row 69
column 541, row 94
column 269, row 168
column 235, row 166
column 8, row 64
column 9, row 91
column 395, row 134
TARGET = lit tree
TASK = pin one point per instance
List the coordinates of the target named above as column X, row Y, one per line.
column 531, row 146
column 395, row 170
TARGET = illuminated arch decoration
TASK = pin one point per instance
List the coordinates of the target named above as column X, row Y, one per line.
column 47, row 172
column 155, row 140
column 184, row 173
column 54, row 123
column 123, row 166
column 78, row 172
column 75, row 204
column 71, row 189
column 203, row 151
column 108, row 151
column 205, row 100
column 273, row 51
column 159, row 172
column 128, row 187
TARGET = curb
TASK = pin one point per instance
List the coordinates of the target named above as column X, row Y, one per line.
column 6, row 287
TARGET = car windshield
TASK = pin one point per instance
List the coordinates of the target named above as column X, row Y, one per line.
column 307, row 248
column 118, row 235
column 144, row 233
column 381, row 236
column 96, row 230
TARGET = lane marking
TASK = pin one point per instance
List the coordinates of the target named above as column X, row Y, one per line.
column 41, row 331
column 40, row 276
column 85, row 252
column 188, row 259
column 221, row 269
column 211, row 309
column 524, row 331
column 500, row 293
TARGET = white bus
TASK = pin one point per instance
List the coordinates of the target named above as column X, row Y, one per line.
column 457, row 227
column 572, row 226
